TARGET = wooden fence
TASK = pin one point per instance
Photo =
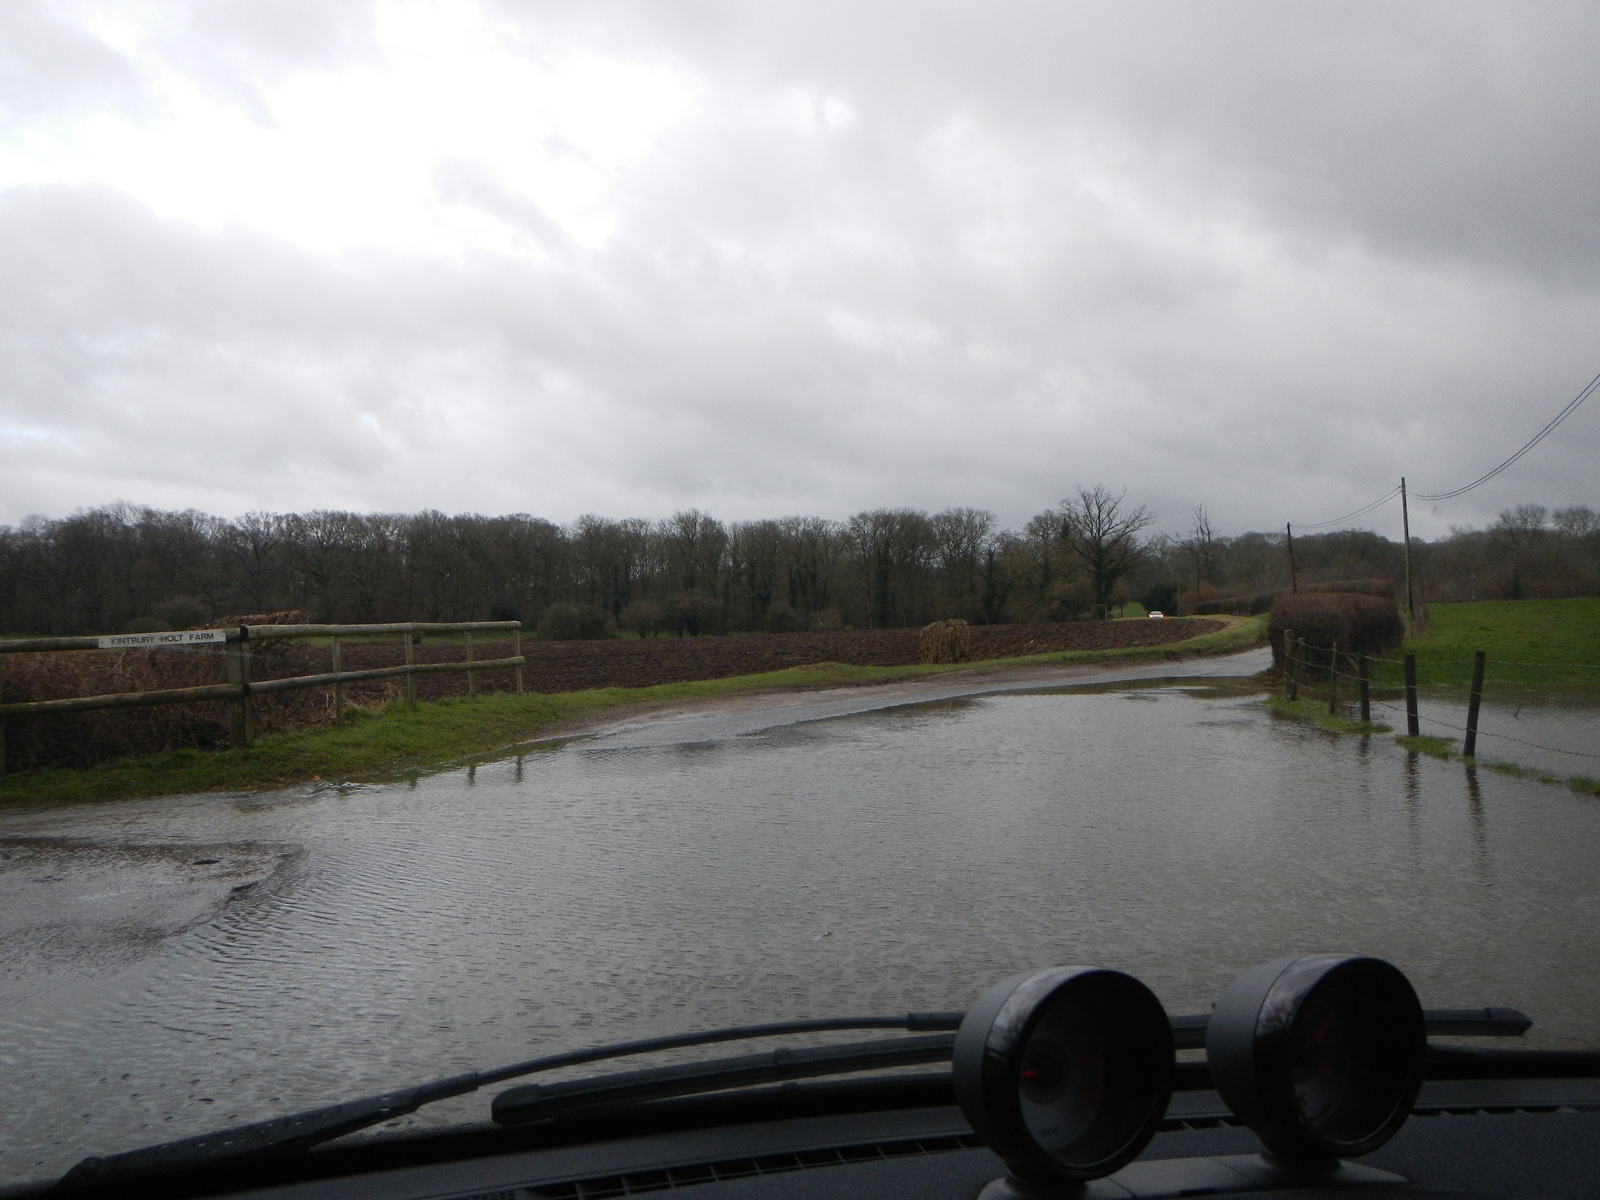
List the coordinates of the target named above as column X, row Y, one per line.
column 239, row 688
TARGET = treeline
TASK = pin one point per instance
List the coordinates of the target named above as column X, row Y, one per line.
column 1529, row 552
column 120, row 567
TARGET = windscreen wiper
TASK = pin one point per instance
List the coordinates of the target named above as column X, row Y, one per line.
column 583, row 1097
column 301, row 1131
column 1189, row 1033
column 547, row 1101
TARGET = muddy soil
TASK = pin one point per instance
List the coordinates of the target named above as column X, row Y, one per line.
column 576, row 666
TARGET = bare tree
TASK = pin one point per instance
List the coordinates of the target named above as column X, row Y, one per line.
column 1579, row 521
column 960, row 536
column 1201, row 547
column 812, row 549
column 1104, row 537
column 696, row 545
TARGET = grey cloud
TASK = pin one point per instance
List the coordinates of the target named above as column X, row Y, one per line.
column 47, row 63
column 1259, row 257
column 1458, row 130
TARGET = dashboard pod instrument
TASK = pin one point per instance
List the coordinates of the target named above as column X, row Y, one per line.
column 1320, row 1054
column 1064, row 1072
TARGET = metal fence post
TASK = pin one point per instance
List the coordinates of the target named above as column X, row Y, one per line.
column 1291, row 687
column 1366, row 697
column 411, row 678
column 516, row 652
column 338, row 687
column 1412, row 728
column 1333, row 679
column 1469, row 747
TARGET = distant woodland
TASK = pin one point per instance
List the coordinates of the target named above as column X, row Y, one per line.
column 123, row 568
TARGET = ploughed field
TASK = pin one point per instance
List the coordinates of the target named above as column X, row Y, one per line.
column 80, row 739
column 577, row 666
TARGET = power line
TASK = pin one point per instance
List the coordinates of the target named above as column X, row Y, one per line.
column 1379, row 502
column 1549, row 428
column 1532, row 442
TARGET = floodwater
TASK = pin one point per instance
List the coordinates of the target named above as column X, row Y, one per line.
column 173, row 966
column 1555, row 733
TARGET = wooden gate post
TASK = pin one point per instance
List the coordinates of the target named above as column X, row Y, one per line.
column 1412, row 728
column 338, row 688
column 238, row 659
column 1333, row 679
column 1366, row 697
column 1291, row 688
column 516, row 652
column 411, row 678
column 1469, row 748
column 472, row 685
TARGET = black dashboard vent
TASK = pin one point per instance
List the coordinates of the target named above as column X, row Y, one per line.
column 640, row 1182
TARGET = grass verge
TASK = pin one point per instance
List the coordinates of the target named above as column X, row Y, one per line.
column 1582, row 784
column 1316, row 712
column 1433, row 747
column 401, row 738
column 1552, row 645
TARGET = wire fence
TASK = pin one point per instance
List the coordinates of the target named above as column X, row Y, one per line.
column 1304, row 664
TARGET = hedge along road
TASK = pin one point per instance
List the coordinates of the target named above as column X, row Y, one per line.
column 400, row 738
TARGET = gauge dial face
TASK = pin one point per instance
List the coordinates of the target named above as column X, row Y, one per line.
column 1062, row 1078
column 1323, row 1063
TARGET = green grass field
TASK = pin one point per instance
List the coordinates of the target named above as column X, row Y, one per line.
column 403, row 738
column 1551, row 645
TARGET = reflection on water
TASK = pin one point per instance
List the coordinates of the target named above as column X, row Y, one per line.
column 672, row 875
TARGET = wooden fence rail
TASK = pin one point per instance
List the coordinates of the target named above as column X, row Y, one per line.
column 238, row 642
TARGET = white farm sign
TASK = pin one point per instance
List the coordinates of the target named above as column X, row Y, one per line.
column 141, row 641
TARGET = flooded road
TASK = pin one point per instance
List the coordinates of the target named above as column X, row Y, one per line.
column 176, row 965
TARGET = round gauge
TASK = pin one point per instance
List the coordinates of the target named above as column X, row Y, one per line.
column 1321, row 1055
column 1064, row 1072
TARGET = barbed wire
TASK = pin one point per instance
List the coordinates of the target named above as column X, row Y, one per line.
column 1336, row 673
column 1499, row 662
column 1483, row 733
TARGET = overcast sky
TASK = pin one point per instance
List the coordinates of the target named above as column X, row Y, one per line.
column 770, row 258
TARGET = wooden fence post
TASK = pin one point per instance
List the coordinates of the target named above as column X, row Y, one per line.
column 516, row 652
column 1291, row 688
column 239, row 691
column 238, row 659
column 472, row 685
column 1333, row 679
column 338, row 688
column 1412, row 728
column 1469, row 748
column 1366, row 697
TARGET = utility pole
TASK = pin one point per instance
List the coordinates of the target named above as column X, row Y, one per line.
column 1405, row 525
column 1294, row 582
